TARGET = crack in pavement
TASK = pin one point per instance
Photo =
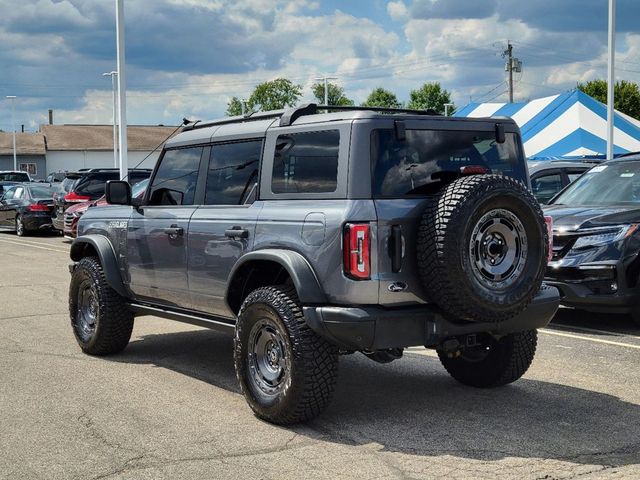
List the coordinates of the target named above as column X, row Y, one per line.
column 34, row 315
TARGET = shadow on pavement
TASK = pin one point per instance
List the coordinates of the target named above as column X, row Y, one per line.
column 610, row 324
column 412, row 406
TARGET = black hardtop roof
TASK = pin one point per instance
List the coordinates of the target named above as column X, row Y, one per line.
column 257, row 123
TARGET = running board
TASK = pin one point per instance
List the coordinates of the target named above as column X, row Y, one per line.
column 214, row 323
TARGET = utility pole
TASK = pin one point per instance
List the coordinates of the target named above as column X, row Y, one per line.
column 115, row 116
column 13, row 125
column 512, row 65
column 243, row 106
column 325, row 79
column 122, row 91
column 611, row 78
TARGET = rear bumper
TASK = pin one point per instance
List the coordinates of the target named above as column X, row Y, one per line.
column 374, row 327
column 37, row 222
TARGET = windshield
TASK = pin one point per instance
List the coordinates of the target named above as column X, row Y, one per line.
column 139, row 188
column 14, row 177
column 42, row 192
column 608, row 184
column 404, row 167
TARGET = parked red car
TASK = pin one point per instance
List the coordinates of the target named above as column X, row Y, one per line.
column 74, row 212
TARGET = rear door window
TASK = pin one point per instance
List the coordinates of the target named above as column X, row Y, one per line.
column 233, row 172
column 413, row 166
column 176, row 178
column 306, row 162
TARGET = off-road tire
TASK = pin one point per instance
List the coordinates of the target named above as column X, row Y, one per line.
column 21, row 230
column 313, row 362
column 506, row 361
column 113, row 318
column 444, row 256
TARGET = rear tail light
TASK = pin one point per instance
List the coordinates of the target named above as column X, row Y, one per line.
column 357, row 251
column 549, row 222
column 38, row 207
column 74, row 197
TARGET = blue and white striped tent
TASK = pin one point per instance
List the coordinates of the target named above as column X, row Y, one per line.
column 571, row 125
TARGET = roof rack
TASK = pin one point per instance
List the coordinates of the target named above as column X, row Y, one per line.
column 287, row 117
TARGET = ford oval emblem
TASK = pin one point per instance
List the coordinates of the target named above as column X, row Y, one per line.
column 397, row 287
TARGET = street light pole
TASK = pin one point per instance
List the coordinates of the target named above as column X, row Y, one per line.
column 325, row 79
column 113, row 76
column 13, row 125
column 446, row 108
column 611, row 78
column 122, row 91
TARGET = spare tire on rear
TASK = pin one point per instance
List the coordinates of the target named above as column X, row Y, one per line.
column 482, row 248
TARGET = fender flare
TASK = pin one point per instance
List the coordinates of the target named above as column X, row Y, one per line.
column 107, row 256
column 301, row 273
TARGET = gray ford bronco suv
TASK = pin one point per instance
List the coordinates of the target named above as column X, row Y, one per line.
column 321, row 231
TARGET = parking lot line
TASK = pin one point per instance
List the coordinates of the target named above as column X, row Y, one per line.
column 24, row 244
column 589, row 339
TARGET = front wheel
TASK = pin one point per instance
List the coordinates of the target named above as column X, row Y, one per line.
column 492, row 362
column 101, row 320
column 287, row 373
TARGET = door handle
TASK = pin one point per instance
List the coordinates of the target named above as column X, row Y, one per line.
column 236, row 232
column 174, row 231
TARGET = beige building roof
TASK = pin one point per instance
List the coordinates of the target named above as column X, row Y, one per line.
column 26, row 143
column 100, row 137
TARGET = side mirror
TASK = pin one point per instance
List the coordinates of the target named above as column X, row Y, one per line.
column 118, row 192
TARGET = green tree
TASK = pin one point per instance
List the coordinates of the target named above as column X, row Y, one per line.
column 335, row 94
column 234, row 107
column 626, row 95
column 274, row 95
column 430, row 96
column 380, row 97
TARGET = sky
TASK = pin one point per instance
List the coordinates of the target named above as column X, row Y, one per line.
column 187, row 58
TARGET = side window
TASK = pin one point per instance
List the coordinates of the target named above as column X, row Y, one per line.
column 19, row 193
column 306, row 162
column 546, row 186
column 176, row 178
column 574, row 174
column 9, row 194
column 233, row 172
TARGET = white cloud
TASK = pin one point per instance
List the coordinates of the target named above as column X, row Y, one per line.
column 397, row 10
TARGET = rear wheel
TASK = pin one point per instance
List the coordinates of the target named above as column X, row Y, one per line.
column 286, row 372
column 492, row 362
column 21, row 230
column 101, row 320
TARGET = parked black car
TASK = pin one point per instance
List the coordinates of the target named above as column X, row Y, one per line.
column 549, row 177
column 87, row 185
column 27, row 207
column 596, row 240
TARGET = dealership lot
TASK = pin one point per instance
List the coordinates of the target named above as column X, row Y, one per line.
column 169, row 405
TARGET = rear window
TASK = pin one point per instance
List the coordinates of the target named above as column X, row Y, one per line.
column 42, row 192
column 67, row 184
column 411, row 166
column 93, row 184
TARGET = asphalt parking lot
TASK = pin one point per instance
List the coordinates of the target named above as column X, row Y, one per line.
column 169, row 405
